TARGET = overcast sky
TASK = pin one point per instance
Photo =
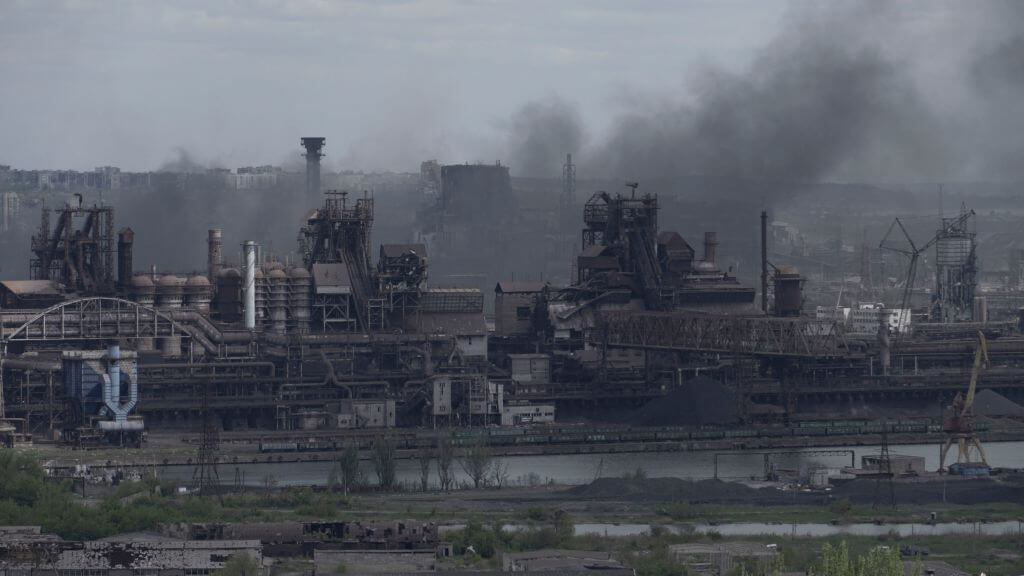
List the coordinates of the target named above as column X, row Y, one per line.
column 85, row 83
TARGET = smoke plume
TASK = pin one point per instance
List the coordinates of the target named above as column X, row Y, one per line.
column 541, row 133
column 839, row 94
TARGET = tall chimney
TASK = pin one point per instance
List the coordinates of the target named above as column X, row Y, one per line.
column 250, row 284
column 214, row 254
column 313, row 145
column 764, row 261
column 710, row 246
column 125, row 241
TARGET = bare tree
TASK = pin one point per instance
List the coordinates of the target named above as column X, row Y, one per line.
column 425, row 456
column 348, row 467
column 384, row 461
column 499, row 473
column 476, row 461
column 445, row 457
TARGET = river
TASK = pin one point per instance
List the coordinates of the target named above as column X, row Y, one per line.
column 583, row 468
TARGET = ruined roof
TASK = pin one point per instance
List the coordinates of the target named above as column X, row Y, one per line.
column 137, row 554
column 25, row 287
column 507, row 286
column 396, row 250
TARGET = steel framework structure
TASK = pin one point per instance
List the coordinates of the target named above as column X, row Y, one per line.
column 748, row 336
column 96, row 318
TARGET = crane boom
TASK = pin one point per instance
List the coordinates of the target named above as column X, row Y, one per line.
column 913, row 253
column 981, row 352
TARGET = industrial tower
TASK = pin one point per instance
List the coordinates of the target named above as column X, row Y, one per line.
column 314, row 146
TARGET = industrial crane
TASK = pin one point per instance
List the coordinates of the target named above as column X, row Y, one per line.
column 913, row 253
column 958, row 417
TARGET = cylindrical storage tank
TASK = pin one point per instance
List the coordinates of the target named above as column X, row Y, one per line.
column 170, row 346
column 143, row 290
column 249, row 286
column 277, row 280
column 229, row 295
column 169, row 292
column 262, row 297
column 953, row 251
column 197, row 293
column 980, row 309
column 788, row 291
column 168, row 297
column 298, row 294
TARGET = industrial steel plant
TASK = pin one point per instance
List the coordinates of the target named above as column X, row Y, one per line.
column 352, row 335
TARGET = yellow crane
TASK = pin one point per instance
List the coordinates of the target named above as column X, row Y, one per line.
column 958, row 417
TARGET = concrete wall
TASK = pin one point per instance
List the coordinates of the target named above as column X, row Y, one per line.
column 512, row 313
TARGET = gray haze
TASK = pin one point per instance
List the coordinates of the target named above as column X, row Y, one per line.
column 844, row 91
column 767, row 90
column 389, row 83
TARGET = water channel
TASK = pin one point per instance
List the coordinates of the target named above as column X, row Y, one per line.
column 583, row 468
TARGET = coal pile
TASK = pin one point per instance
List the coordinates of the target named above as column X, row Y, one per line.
column 676, row 490
column 952, row 490
column 994, row 405
column 698, row 402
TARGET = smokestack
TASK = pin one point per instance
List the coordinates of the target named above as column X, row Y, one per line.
column 710, row 246
column 764, row 261
column 250, row 284
column 313, row 146
column 125, row 241
column 214, row 254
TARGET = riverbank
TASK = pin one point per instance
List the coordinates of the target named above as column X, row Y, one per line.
column 168, row 449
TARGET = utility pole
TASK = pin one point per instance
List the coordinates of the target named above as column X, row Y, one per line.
column 205, row 479
column 885, row 470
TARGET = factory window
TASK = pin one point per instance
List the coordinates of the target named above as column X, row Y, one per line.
column 522, row 312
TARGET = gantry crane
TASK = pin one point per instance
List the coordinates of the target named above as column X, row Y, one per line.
column 958, row 417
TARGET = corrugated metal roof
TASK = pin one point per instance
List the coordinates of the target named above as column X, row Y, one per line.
column 31, row 286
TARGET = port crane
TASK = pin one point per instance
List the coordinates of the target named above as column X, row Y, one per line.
column 913, row 253
column 958, row 417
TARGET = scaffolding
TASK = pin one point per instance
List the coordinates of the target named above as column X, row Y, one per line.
column 79, row 252
column 340, row 233
column 955, row 270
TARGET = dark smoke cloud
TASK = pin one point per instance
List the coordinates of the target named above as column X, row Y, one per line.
column 995, row 122
column 185, row 199
column 814, row 101
column 183, row 162
column 541, row 133
column 838, row 95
